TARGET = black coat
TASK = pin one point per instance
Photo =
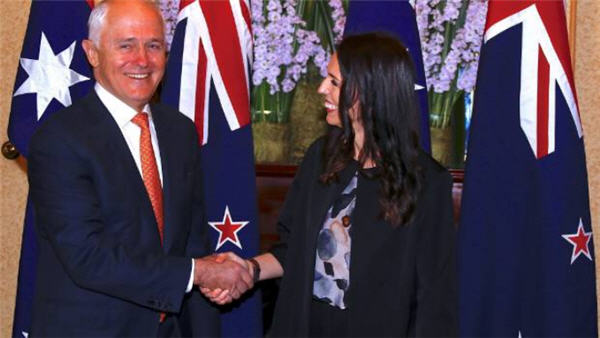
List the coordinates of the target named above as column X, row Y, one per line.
column 102, row 270
column 402, row 280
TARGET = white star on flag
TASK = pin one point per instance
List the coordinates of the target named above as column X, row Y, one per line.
column 50, row 76
column 417, row 86
column 228, row 230
column 580, row 241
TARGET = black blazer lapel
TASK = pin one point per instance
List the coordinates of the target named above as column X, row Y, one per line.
column 324, row 196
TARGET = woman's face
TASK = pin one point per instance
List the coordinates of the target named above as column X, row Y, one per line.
column 330, row 89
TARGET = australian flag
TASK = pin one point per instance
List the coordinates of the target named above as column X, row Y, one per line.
column 53, row 73
column 526, row 261
column 207, row 80
column 396, row 18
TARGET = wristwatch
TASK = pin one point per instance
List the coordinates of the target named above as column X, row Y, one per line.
column 256, row 268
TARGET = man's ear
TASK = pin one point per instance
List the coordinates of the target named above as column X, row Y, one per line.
column 91, row 52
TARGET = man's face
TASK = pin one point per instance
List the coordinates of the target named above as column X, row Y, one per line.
column 129, row 60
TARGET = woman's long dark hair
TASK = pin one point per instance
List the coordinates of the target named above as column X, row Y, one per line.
column 377, row 72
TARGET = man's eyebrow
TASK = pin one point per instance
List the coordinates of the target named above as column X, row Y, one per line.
column 126, row 39
column 131, row 39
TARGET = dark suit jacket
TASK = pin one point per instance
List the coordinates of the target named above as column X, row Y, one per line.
column 402, row 280
column 102, row 270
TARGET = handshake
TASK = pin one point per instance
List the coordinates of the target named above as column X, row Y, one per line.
column 223, row 277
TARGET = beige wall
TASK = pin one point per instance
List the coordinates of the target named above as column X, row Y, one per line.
column 587, row 79
column 13, row 184
column 13, row 180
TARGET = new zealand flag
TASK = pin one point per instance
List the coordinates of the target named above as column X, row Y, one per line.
column 207, row 80
column 526, row 256
column 398, row 19
column 53, row 73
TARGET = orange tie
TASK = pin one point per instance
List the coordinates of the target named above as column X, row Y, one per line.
column 150, row 175
column 150, row 170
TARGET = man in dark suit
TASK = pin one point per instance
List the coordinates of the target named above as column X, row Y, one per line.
column 117, row 193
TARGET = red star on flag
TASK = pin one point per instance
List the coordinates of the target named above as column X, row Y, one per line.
column 228, row 230
column 580, row 241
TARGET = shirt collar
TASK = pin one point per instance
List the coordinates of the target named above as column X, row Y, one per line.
column 120, row 111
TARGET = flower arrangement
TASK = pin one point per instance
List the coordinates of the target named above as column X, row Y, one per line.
column 169, row 9
column 451, row 34
column 338, row 14
column 287, row 35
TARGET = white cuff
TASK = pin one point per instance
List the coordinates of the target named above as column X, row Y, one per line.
column 191, row 282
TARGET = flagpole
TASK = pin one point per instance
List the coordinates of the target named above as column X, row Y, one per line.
column 572, row 29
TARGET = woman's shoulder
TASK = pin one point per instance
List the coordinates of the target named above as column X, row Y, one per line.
column 314, row 152
column 316, row 147
column 432, row 171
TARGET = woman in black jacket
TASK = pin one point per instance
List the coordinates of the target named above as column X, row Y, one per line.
column 367, row 241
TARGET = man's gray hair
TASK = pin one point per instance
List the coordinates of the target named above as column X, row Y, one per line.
column 98, row 16
column 96, row 21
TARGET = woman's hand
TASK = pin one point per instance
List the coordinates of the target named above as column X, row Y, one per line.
column 217, row 296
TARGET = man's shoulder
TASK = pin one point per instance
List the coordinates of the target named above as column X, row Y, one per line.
column 76, row 119
column 170, row 113
column 74, row 114
column 173, row 120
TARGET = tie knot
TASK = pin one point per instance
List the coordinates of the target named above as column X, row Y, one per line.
column 141, row 119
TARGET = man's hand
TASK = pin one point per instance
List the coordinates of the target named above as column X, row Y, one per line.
column 221, row 296
column 222, row 277
column 223, row 256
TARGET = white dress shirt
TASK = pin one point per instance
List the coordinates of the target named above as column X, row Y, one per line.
column 122, row 114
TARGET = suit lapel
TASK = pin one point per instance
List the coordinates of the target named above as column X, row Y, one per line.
column 108, row 130
column 168, row 152
column 115, row 144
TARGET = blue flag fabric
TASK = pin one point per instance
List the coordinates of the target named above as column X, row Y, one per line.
column 53, row 72
column 53, row 69
column 207, row 80
column 398, row 19
column 526, row 256
column 27, row 273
